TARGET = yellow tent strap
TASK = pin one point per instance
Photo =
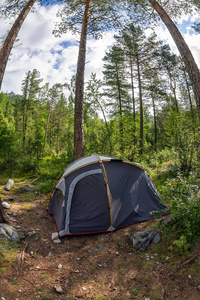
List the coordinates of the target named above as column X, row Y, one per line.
column 49, row 197
column 109, row 194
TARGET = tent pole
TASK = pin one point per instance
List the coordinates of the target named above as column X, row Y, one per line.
column 108, row 191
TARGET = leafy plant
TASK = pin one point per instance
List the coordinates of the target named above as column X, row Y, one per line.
column 185, row 212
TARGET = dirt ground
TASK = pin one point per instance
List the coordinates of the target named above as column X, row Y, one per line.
column 100, row 266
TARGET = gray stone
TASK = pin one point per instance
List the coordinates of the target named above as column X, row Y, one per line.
column 96, row 249
column 54, row 236
column 142, row 239
column 9, row 233
column 58, row 289
column 58, row 241
column 156, row 239
column 5, row 204
column 195, row 187
column 9, row 185
column 167, row 219
column 10, row 198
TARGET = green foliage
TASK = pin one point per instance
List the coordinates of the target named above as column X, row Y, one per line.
column 185, row 212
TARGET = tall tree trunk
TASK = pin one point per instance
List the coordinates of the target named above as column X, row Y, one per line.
column 58, row 134
column 155, row 122
column 173, row 89
column 106, row 123
column 188, row 90
column 79, row 146
column 121, row 129
column 133, row 103
column 141, row 105
column 11, row 37
column 48, row 118
column 185, row 52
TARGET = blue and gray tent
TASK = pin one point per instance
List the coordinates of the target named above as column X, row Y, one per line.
column 102, row 194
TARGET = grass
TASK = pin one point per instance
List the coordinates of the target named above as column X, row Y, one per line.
column 14, row 281
column 44, row 276
column 8, row 252
column 122, row 266
column 136, row 291
column 46, row 297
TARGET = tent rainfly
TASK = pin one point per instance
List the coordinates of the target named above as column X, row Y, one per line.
column 102, row 194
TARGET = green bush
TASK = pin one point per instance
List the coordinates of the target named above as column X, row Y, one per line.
column 185, row 212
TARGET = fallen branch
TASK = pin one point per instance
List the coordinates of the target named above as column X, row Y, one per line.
column 33, row 283
column 185, row 263
column 41, row 269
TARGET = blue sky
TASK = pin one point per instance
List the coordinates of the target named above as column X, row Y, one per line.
column 56, row 58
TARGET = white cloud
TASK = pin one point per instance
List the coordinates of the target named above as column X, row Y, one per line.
column 39, row 49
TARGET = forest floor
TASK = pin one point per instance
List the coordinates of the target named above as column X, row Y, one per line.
column 100, row 266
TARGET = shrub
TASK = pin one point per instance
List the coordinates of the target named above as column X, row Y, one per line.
column 185, row 212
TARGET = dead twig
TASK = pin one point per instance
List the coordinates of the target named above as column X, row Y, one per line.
column 23, row 253
column 33, row 283
column 190, row 260
column 41, row 269
column 162, row 296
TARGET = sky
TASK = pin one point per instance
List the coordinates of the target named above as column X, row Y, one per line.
column 56, row 58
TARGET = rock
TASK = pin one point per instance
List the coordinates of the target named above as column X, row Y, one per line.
column 58, row 289
column 96, row 249
column 156, row 239
column 142, row 239
column 54, row 236
column 10, row 198
column 25, row 189
column 167, row 219
column 9, row 233
column 59, row 266
column 9, row 185
column 5, row 204
column 11, row 212
column 58, row 241
column 195, row 187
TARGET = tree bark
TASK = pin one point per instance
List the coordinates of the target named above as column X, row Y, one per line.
column 141, row 105
column 121, row 129
column 133, row 104
column 2, row 215
column 184, row 50
column 11, row 37
column 155, row 121
column 48, row 118
column 79, row 146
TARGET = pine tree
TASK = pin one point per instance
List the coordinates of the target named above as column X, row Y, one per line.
column 11, row 37
column 95, row 17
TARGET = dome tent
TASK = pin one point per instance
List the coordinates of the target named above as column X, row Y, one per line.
column 102, row 194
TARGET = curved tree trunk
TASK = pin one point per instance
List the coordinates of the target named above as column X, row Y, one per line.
column 11, row 37
column 79, row 146
column 185, row 52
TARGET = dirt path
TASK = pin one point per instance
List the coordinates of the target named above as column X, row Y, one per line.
column 101, row 266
